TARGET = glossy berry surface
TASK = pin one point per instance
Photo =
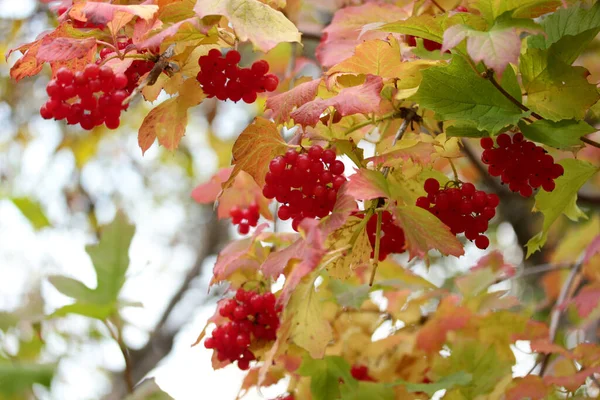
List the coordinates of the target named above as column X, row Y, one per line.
column 250, row 317
column 245, row 217
column 221, row 77
column 464, row 210
column 306, row 184
column 520, row 164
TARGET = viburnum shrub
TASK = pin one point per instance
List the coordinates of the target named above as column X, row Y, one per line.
column 382, row 154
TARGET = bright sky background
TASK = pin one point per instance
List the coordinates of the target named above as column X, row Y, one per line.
column 26, row 257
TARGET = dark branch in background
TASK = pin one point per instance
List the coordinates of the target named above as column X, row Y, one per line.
column 590, row 142
column 438, row 6
column 161, row 341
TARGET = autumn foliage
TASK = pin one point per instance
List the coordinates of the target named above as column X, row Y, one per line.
column 366, row 160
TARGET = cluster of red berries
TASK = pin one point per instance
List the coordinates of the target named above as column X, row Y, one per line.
column 251, row 316
column 462, row 210
column 306, row 184
column 136, row 70
column 361, row 373
column 245, row 217
column 391, row 238
column 91, row 97
column 221, row 77
column 521, row 164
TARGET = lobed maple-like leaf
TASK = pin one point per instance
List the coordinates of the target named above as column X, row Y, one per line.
column 253, row 21
column 254, row 149
column 361, row 99
column 283, row 104
column 562, row 200
column 367, row 184
column 424, row 232
column 377, row 57
column 168, row 120
column 529, row 387
column 342, row 35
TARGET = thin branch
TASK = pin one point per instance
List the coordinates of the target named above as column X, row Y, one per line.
column 410, row 115
column 377, row 246
column 489, row 75
column 438, row 6
column 590, row 142
column 540, row 269
column 127, row 374
column 371, row 122
column 565, row 292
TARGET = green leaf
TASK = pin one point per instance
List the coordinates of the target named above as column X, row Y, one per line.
column 577, row 25
column 563, row 134
column 17, row 378
column 348, row 295
column 456, row 92
column 110, row 258
column 555, row 89
column 465, row 129
column 148, row 390
column 562, row 200
column 447, row 382
column 32, row 210
column 368, row 391
column 481, row 360
column 492, row 9
column 325, row 376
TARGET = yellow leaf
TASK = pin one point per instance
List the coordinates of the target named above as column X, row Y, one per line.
column 252, row 20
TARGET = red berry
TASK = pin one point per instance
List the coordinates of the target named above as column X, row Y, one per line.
column 270, row 82
column 431, row 186
column 249, row 97
column 487, row 143
column 91, row 71
column 260, row 67
column 328, row 156
column 64, row 76
column 337, row 167
column 233, row 57
column 243, row 229
column 482, row 242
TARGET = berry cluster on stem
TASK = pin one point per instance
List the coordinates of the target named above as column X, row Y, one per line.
column 135, row 71
column 252, row 316
column 305, row 183
column 221, row 77
column 520, row 164
column 245, row 217
column 391, row 237
column 463, row 209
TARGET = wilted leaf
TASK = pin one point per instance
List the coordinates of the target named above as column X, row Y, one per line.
column 424, row 232
column 562, row 200
column 252, row 20
column 361, row 99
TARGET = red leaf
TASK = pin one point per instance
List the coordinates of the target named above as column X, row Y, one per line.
column 310, row 258
column 586, row 301
column 495, row 260
column 592, row 249
column 342, row 35
column 276, row 262
column 102, row 13
column 571, row 381
column 530, row 387
column 208, row 192
column 545, row 346
column 283, row 104
column 366, row 184
column 156, row 40
column 361, row 99
column 448, row 317
column 63, row 48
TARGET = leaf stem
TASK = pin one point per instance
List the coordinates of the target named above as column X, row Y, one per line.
column 377, row 247
column 128, row 373
column 489, row 75
column 110, row 46
column 371, row 122
column 454, row 171
column 410, row 115
column 438, row 6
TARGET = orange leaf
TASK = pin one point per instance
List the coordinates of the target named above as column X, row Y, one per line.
column 377, row 57
column 424, row 232
column 448, row 317
column 361, row 99
column 530, row 387
column 97, row 13
column 571, row 382
column 63, row 48
column 254, row 149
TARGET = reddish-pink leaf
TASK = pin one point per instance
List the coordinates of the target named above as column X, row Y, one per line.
column 156, row 40
column 495, row 261
column 592, row 249
column 530, row 387
column 545, row 346
column 361, row 99
column 586, row 301
column 449, row 317
column 424, row 231
column 276, row 262
column 344, row 206
column 236, row 255
column 571, row 381
column 367, row 184
column 97, row 13
column 63, row 48
column 283, row 104
column 283, row 334
column 310, row 258
column 344, row 33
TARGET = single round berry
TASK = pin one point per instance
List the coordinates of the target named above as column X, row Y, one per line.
column 487, row 143
column 431, row 186
column 482, row 242
column 233, row 57
column 260, row 67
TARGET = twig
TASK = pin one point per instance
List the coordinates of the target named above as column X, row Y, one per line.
column 377, row 246
column 438, row 6
column 590, row 142
column 409, row 115
column 489, row 75
column 128, row 375
column 540, row 269
column 565, row 292
column 371, row 122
